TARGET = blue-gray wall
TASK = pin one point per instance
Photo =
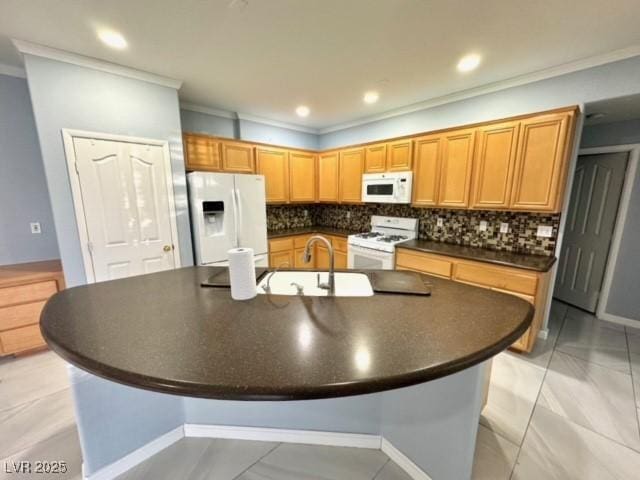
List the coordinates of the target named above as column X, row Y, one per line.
column 69, row 96
column 23, row 188
column 623, row 300
column 599, row 83
column 197, row 122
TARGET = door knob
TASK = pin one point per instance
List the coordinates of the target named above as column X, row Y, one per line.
column 167, row 248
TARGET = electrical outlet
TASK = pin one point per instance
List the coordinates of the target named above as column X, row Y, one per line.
column 35, row 227
column 483, row 226
column 440, row 222
column 305, row 213
column 544, row 231
column 348, row 214
column 504, row 227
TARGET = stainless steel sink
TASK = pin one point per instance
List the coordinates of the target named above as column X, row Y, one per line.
column 306, row 283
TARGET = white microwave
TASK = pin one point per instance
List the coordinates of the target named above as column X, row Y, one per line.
column 392, row 187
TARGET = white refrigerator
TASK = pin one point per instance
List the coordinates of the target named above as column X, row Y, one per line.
column 227, row 211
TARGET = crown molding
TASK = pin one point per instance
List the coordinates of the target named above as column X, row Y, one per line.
column 12, row 71
column 245, row 116
column 192, row 107
column 566, row 68
column 276, row 123
column 28, row 48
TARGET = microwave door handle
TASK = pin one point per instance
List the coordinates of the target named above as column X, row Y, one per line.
column 396, row 189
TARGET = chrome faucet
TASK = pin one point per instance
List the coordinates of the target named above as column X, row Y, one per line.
column 267, row 287
column 331, row 284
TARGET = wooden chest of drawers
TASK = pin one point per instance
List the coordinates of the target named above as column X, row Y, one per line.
column 24, row 289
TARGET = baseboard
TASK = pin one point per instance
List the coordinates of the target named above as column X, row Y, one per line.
column 627, row 322
column 310, row 437
column 137, row 456
column 404, row 462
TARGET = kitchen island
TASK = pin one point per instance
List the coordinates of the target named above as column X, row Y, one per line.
column 401, row 372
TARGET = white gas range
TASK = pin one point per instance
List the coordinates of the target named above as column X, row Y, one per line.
column 376, row 249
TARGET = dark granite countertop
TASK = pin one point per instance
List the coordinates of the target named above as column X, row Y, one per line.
column 538, row 263
column 314, row 229
column 163, row 332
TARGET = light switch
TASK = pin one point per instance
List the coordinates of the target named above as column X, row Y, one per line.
column 544, row 231
column 504, row 227
column 440, row 222
column 483, row 226
column 35, row 227
column 306, row 213
column 348, row 214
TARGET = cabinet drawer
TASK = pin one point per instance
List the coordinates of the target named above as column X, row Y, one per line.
column 21, row 339
column 339, row 244
column 27, row 293
column 301, row 240
column 424, row 262
column 499, row 278
column 280, row 244
column 20, row 315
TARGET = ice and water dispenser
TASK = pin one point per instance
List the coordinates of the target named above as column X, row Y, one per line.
column 213, row 212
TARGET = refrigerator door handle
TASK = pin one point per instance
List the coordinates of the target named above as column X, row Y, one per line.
column 235, row 217
column 236, row 192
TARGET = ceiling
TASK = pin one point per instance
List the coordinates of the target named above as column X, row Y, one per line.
column 264, row 57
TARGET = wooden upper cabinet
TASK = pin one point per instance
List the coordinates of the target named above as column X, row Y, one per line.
column 238, row 157
column 541, row 162
column 328, row 168
column 351, row 169
column 302, row 177
column 426, row 170
column 399, row 155
column 273, row 163
column 493, row 165
column 201, row 153
column 455, row 168
column 375, row 158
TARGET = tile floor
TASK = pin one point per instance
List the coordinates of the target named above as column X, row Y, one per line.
column 569, row 410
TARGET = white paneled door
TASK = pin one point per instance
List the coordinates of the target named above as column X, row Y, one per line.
column 590, row 221
column 127, row 207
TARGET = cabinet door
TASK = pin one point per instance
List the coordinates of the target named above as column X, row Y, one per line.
column 399, row 155
column 340, row 259
column 426, row 170
column 375, row 158
column 322, row 258
column 493, row 165
column 201, row 153
column 455, row 169
column 328, row 177
column 282, row 260
column 541, row 162
column 238, row 157
column 299, row 259
column 273, row 163
column 351, row 169
column 302, row 177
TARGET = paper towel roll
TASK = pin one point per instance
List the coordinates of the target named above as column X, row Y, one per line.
column 242, row 273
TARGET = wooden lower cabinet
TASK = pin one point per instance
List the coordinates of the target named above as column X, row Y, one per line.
column 24, row 290
column 528, row 285
column 291, row 249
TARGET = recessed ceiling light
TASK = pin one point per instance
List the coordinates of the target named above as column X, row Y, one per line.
column 371, row 97
column 469, row 62
column 112, row 39
column 303, row 111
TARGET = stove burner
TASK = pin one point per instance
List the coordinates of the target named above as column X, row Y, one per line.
column 393, row 238
column 369, row 235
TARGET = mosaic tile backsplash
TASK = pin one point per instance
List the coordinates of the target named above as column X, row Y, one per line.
column 459, row 226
